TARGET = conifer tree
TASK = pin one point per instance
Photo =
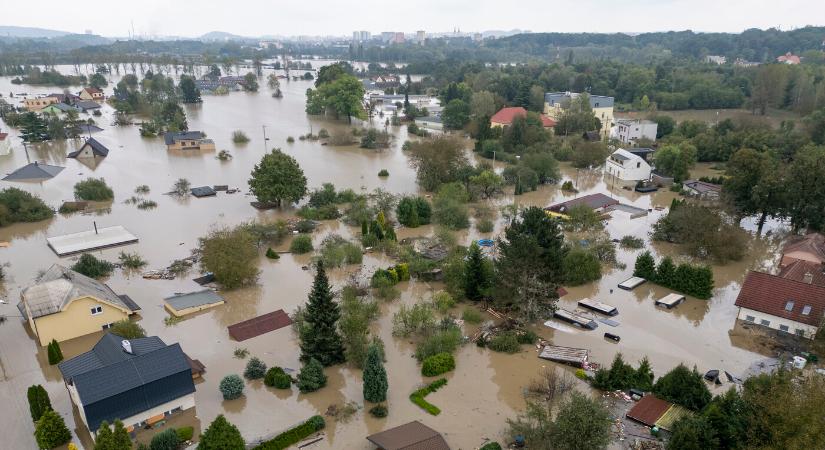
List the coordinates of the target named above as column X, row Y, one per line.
column 221, row 435
column 476, row 274
column 645, row 267
column 375, row 377
column 54, row 353
column 320, row 339
column 51, row 431
column 39, row 401
column 311, row 377
column 120, row 437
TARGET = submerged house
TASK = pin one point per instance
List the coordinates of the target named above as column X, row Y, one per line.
column 139, row 381
column 627, row 167
column 597, row 202
column 782, row 304
column 64, row 304
column 188, row 140
column 92, row 93
column 92, row 148
column 702, row 189
column 410, row 436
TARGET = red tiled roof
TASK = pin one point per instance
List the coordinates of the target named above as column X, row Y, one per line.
column 813, row 243
column 547, row 122
column 798, row 269
column 93, row 90
column 789, row 58
column 506, row 116
column 648, row 410
column 259, row 325
column 3, row 136
column 770, row 294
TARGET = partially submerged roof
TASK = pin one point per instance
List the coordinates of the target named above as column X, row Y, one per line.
column 98, row 149
column 813, row 243
column 592, row 201
column 68, row 244
column 410, row 436
column 203, row 191
column 257, row 326
column 34, row 171
column 648, row 410
column 114, row 382
column 60, row 285
column 782, row 297
column 86, row 105
column 193, row 299
column 702, row 186
column 172, row 137
column 90, row 128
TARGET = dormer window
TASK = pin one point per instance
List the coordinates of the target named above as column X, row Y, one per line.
column 789, row 306
column 806, row 311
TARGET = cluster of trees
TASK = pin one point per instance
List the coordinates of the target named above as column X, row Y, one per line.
column 36, row 76
column 50, row 430
column 689, row 279
column 17, row 205
column 44, row 127
column 702, row 232
column 337, row 92
column 156, row 97
column 622, row 376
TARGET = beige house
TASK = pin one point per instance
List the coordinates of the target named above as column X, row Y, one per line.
column 92, row 93
column 36, row 104
column 64, row 305
column 556, row 102
column 188, row 140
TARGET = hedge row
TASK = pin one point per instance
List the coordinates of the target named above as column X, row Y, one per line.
column 294, row 435
column 417, row 397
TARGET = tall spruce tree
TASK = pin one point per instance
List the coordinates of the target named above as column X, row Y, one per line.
column 39, row 401
column 375, row 376
column 320, row 338
column 476, row 274
column 104, row 439
column 120, row 437
column 221, row 435
column 645, row 267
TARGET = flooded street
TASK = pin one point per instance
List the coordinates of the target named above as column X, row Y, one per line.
column 486, row 387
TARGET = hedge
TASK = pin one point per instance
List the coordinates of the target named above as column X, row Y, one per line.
column 417, row 397
column 293, row 435
column 185, row 433
column 438, row 364
column 491, row 446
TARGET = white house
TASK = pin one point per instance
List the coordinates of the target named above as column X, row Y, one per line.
column 782, row 304
column 627, row 167
column 628, row 131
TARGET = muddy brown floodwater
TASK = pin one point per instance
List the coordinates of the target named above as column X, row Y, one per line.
column 484, row 390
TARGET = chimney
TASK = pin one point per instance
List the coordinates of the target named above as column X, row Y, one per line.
column 808, row 278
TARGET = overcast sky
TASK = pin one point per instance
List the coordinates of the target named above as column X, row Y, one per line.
column 334, row 17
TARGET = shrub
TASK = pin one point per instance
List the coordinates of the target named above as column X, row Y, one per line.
column 54, row 352
column 323, row 133
column 447, row 339
column 147, row 204
column 131, row 260
column 567, row 186
column 294, row 435
column 378, row 411
column 506, row 342
column 165, row 440
column 417, row 397
column 312, row 377
column 449, row 208
column 93, row 189
column 581, row 374
column 413, row 319
column 277, row 378
column 527, row 337
column 485, row 226
column 443, row 301
column 240, row 353
column 271, row 254
column 684, row 387
column 19, row 206
column 231, row 387
column 185, row 433
column 413, row 211
column 325, row 212
column 437, row 364
column 127, row 329
column 255, row 369
column 39, row 401
column 290, row 139
column 142, row 189
column 305, row 226
column 632, row 242
column 239, row 137
column 581, row 266
column 471, row 315
column 92, row 267
column 338, row 252
column 301, row 244
column 232, row 255
column 491, row 446
column 181, row 187
column 50, row 431
column 383, row 173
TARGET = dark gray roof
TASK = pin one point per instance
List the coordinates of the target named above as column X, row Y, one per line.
column 203, row 191
column 596, row 101
column 170, row 138
column 113, row 384
column 191, row 299
column 97, row 148
column 34, row 171
column 90, row 128
column 410, row 436
column 86, row 105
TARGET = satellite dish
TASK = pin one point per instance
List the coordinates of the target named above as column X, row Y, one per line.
column 127, row 346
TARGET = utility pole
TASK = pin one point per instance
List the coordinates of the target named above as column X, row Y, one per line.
column 265, row 138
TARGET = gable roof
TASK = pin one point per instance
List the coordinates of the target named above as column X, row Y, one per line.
column 192, row 299
column 702, row 186
column 113, row 384
column 507, row 115
column 171, row 138
column 86, row 105
column 98, row 149
column 770, row 294
column 60, row 285
column 813, row 243
column 648, row 410
column 92, row 90
column 592, row 201
column 798, row 270
column 34, row 171
column 410, row 436
column 596, row 101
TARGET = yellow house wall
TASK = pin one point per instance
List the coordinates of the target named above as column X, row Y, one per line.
column 76, row 320
column 605, row 115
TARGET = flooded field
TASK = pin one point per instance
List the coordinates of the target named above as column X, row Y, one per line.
column 484, row 390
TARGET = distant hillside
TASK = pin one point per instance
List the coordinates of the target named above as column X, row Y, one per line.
column 30, row 32
column 222, row 36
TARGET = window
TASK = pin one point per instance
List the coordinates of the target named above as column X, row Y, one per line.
column 638, row 165
column 806, row 311
column 784, row 328
column 97, row 310
column 597, row 105
column 766, row 323
column 789, row 306
column 800, row 332
column 750, row 319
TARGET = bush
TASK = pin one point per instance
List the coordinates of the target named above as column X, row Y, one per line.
column 413, row 211
column 413, row 319
column 527, row 337
column 445, row 340
column 51, row 431
column 485, row 226
column 437, row 364
column 323, row 133
column 632, row 242
column 92, row 267
column 338, row 252
column 491, row 446
column 255, row 369
column 131, row 260
column 378, row 411
column 39, row 401
column 231, row 387
column 449, row 208
column 301, row 244
column 417, row 397
column 383, row 173
column 277, row 378
column 506, row 342
column 232, row 255
column 290, row 139
column 471, row 315
column 181, row 187
column 684, row 387
column 326, row 212
column 54, row 352
column 93, row 189
column 271, row 254
column 185, row 433
column 580, row 267
column 568, row 186
column 19, row 206
column 312, row 377
column 239, row 137
column 127, row 329
column 294, row 435
column 443, row 301
column 165, row 440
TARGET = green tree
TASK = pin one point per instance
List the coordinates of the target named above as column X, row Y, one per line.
column 483, row 104
column 755, row 184
column 413, row 211
column 666, row 272
column 93, row 189
column 120, row 437
column 487, row 183
column 375, row 376
column 50, row 431
column 692, row 433
column 98, row 81
column 726, row 416
column 581, row 266
column 104, row 438
column 250, row 82
column 188, row 90
column 33, row 128
column 437, row 161
column 221, row 435
column 676, row 161
column 684, row 387
column 54, row 352
column 807, row 184
column 645, row 267
column 478, row 275
column 664, row 125
column 165, row 440
column 231, row 387
column 582, row 423
column 311, row 377
column 341, row 96
column 39, row 401
column 319, row 338
column 278, row 178
column 255, row 369
column 230, row 254
column 456, row 114
column 127, row 329
column 17, row 205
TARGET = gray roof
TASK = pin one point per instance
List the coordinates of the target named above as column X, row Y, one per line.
column 86, row 105
column 192, row 299
column 596, row 101
column 97, row 148
column 113, row 384
column 170, row 138
column 410, row 436
column 203, row 191
column 34, row 171
column 90, row 128
column 60, row 285
column 64, row 107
